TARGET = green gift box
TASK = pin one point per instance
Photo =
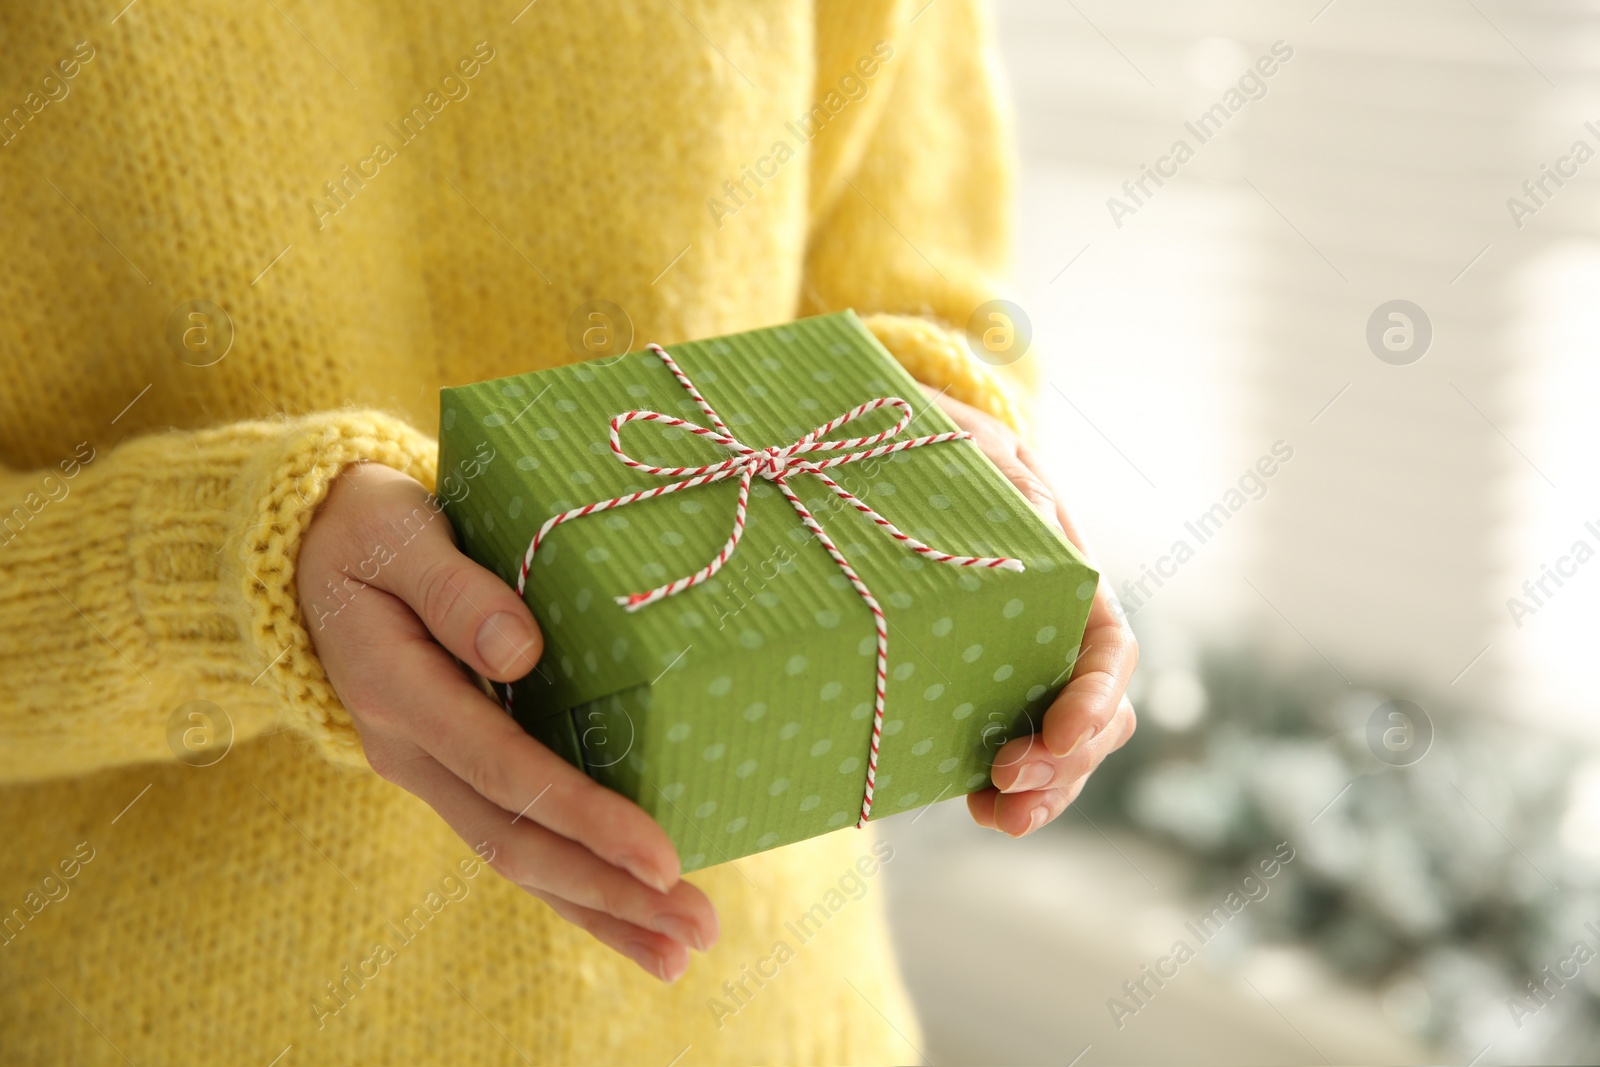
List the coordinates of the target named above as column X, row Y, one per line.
column 741, row 708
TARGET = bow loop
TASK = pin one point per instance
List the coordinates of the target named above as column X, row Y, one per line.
column 724, row 439
column 812, row 442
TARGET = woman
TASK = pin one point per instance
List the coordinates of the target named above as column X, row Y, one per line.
column 245, row 247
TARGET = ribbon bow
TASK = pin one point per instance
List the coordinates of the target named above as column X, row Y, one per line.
column 808, row 455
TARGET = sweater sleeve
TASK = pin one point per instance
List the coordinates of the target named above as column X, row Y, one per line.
column 911, row 191
column 161, row 571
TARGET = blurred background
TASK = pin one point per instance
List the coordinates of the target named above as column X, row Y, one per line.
column 1379, row 660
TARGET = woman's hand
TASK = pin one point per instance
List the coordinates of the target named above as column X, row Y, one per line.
column 1037, row 776
column 388, row 600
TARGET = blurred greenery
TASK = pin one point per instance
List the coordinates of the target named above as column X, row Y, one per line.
column 1446, row 883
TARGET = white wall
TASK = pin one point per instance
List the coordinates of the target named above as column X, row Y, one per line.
column 1231, row 308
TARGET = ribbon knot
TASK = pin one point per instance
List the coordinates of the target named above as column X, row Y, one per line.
column 772, row 463
column 777, row 465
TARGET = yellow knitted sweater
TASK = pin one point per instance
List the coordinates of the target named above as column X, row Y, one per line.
column 383, row 199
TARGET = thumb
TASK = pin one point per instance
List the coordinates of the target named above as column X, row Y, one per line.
column 468, row 609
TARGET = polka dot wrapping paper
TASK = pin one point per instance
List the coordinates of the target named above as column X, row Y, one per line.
column 740, row 711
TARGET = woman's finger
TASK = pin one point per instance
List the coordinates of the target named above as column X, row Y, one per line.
column 980, row 806
column 660, row 956
column 1042, row 808
column 1013, row 813
column 407, row 548
column 1025, row 764
column 1052, row 802
column 537, row 859
column 1023, row 812
column 1106, row 659
column 417, row 691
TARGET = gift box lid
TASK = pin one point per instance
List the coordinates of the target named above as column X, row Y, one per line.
column 516, row 451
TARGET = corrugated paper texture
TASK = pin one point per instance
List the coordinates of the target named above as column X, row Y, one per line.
column 738, row 712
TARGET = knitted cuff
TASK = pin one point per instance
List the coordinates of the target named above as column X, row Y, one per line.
column 939, row 356
column 292, row 481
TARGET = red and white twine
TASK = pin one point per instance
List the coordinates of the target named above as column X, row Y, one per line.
column 777, row 465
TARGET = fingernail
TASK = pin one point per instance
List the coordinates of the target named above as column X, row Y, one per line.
column 647, row 957
column 1034, row 775
column 1088, row 732
column 1036, row 818
column 680, row 930
column 503, row 643
column 654, row 879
